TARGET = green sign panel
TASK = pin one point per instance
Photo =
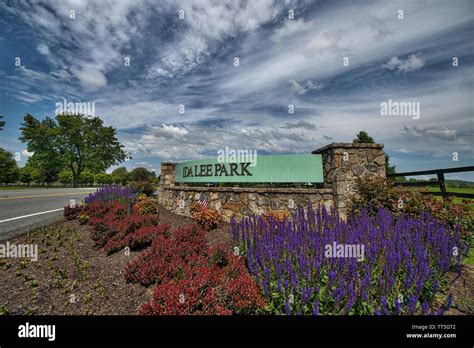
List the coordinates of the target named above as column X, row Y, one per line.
column 304, row 168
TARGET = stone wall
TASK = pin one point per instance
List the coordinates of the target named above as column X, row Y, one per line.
column 243, row 201
column 344, row 162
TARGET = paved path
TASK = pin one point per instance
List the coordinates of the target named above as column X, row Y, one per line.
column 21, row 210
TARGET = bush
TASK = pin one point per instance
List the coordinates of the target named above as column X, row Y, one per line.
column 100, row 209
column 139, row 239
column 72, row 212
column 168, row 257
column 113, row 228
column 143, row 187
column 194, row 295
column 378, row 193
column 207, row 218
column 210, row 289
column 146, row 206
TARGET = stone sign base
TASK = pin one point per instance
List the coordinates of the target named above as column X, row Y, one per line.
column 343, row 164
column 240, row 201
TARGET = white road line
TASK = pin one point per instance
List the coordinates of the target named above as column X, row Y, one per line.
column 25, row 216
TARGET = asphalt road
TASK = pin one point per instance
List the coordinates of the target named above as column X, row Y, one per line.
column 22, row 210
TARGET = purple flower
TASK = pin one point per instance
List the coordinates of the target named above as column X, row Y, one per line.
column 401, row 252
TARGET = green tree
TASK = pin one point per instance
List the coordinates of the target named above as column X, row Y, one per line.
column 364, row 137
column 76, row 141
column 109, row 179
column 26, row 176
column 9, row 171
column 65, row 177
column 43, row 171
column 102, row 178
column 120, row 175
column 141, row 174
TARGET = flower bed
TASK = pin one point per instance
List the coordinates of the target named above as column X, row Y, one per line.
column 400, row 273
column 189, row 276
column 282, row 265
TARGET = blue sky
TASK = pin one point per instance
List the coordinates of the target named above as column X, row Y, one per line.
column 190, row 61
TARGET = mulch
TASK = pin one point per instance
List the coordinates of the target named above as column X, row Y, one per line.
column 461, row 286
column 72, row 277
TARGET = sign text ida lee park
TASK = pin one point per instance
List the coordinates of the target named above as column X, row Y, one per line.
column 261, row 169
column 330, row 171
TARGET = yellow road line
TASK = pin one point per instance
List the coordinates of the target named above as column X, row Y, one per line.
column 49, row 195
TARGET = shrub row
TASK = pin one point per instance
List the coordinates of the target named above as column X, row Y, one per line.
column 192, row 278
column 377, row 193
column 115, row 225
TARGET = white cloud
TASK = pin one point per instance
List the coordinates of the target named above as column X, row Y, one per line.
column 412, row 63
column 439, row 132
column 174, row 130
column 90, row 78
column 211, row 22
column 303, row 89
column 43, row 49
column 325, row 42
column 290, row 29
column 404, row 150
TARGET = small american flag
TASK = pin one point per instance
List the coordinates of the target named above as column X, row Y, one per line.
column 202, row 201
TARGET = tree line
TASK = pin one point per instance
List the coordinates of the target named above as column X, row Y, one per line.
column 77, row 149
column 69, row 149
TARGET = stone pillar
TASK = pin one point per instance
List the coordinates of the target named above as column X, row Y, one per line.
column 344, row 162
column 167, row 174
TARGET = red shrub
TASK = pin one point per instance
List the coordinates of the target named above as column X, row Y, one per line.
column 72, row 212
column 165, row 260
column 188, row 233
column 207, row 290
column 101, row 231
column 111, row 224
column 194, row 295
column 142, row 237
column 242, row 294
column 213, row 281
column 239, row 291
column 100, row 209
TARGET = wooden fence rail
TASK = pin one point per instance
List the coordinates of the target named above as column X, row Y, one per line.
column 440, row 182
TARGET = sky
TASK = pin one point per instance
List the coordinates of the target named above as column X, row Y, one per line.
column 181, row 80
